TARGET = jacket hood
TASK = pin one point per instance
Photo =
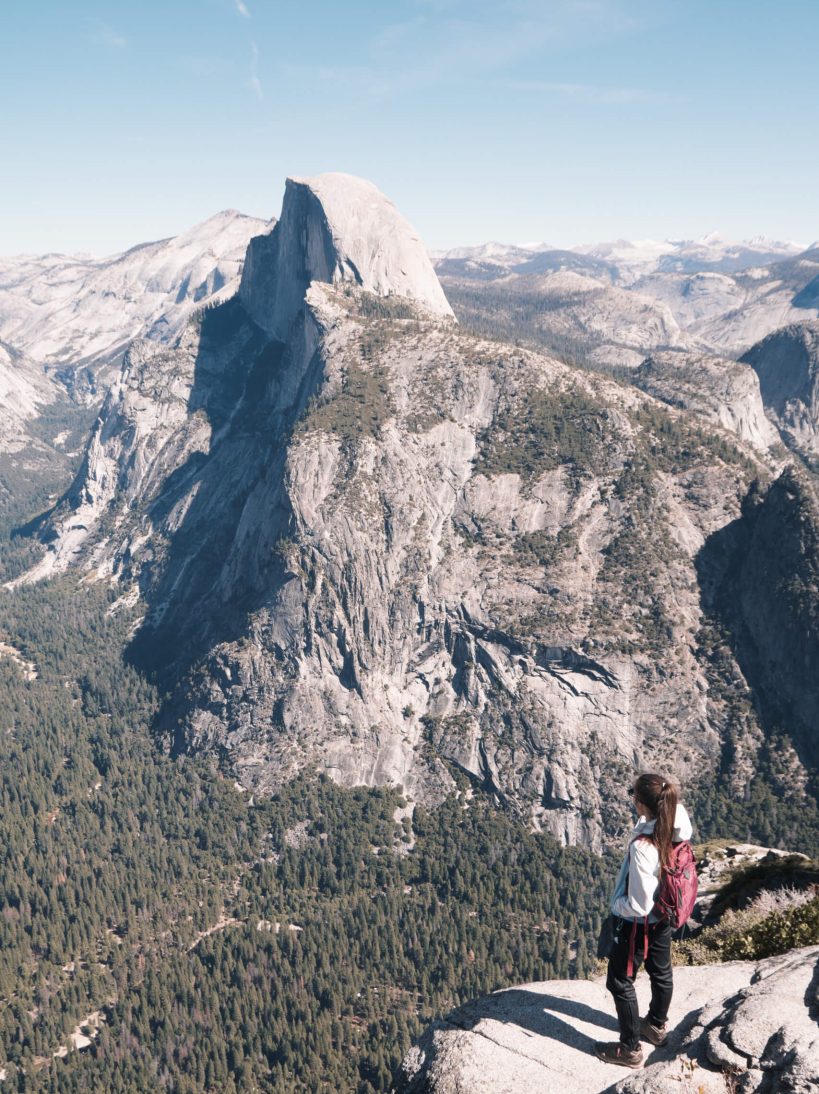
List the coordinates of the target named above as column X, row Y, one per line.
column 682, row 826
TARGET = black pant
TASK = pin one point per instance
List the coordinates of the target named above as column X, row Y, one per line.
column 658, row 967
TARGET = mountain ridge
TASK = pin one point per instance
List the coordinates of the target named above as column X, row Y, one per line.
column 315, row 525
column 70, row 310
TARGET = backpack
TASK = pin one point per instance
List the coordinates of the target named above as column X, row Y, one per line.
column 677, row 894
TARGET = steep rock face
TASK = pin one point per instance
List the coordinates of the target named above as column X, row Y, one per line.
column 38, row 439
column 24, row 390
column 388, row 549
column 776, row 603
column 153, row 437
column 787, row 363
column 755, row 1021
column 724, row 392
column 341, row 230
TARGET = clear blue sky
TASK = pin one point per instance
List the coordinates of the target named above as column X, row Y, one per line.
column 558, row 120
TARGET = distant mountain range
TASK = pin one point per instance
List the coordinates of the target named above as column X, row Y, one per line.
column 637, row 258
column 611, row 303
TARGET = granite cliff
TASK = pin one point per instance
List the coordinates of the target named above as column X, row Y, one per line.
column 787, row 363
column 371, row 543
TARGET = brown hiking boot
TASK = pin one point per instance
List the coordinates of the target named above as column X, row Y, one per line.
column 615, row 1052
column 655, row 1035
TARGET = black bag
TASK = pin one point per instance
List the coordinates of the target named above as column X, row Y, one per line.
column 605, row 943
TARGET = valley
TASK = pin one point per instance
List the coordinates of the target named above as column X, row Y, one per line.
column 346, row 595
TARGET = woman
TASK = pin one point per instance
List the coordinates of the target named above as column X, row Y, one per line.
column 638, row 932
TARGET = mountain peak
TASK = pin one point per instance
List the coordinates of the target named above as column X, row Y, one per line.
column 336, row 228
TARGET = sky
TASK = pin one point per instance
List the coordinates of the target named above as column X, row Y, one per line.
column 564, row 121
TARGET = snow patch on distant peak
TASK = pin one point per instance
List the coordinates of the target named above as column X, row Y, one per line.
column 337, row 229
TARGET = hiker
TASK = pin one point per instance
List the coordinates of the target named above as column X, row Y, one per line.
column 639, row 931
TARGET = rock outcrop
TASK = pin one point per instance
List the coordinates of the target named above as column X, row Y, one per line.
column 721, row 391
column 336, row 229
column 753, row 1024
column 787, row 363
column 720, row 863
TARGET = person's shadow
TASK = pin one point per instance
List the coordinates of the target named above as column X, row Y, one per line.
column 558, row 1019
column 539, row 1014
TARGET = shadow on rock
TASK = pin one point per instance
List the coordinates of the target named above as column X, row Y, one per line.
column 539, row 1014
column 219, row 562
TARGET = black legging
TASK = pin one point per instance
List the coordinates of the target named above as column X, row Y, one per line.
column 658, row 967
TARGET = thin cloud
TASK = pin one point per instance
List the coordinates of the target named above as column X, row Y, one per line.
column 255, row 82
column 105, row 35
column 242, row 8
column 462, row 40
column 584, row 93
column 207, row 67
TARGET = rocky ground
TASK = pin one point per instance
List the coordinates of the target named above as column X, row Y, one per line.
column 742, row 1026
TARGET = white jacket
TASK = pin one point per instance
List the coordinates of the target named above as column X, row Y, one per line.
column 641, row 868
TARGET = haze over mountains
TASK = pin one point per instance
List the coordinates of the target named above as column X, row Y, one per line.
column 615, row 301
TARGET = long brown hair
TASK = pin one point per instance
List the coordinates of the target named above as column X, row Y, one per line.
column 660, row 795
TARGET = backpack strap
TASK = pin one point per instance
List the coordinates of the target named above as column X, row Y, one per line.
column 632, row 945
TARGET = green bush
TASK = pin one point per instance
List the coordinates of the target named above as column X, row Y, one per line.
column 777, row 933
column 744, row 936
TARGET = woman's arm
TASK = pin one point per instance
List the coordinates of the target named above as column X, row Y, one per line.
column 643, row 877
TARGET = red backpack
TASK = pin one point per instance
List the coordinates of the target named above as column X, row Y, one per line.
column 678, row 886
column 677, row 894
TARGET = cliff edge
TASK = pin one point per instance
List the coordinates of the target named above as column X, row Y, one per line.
column 742, row 1026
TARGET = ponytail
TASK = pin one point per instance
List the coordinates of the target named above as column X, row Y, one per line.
column 660, row 795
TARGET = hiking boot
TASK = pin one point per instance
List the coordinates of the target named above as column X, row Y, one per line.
column 615, row 1052
column 655, row 1035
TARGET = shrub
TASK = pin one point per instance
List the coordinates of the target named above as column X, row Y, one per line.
column 752, row 934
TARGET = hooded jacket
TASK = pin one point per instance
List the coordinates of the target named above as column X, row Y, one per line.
column 639, row 877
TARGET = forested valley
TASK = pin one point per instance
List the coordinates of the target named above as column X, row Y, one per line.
column 208, row 942
column 202, row 940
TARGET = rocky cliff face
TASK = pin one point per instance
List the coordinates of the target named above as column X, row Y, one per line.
column 723, row 392
column 772, row 596
column 339, row 230
column 371, row 543
column 24, row 390
column 787, row 363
